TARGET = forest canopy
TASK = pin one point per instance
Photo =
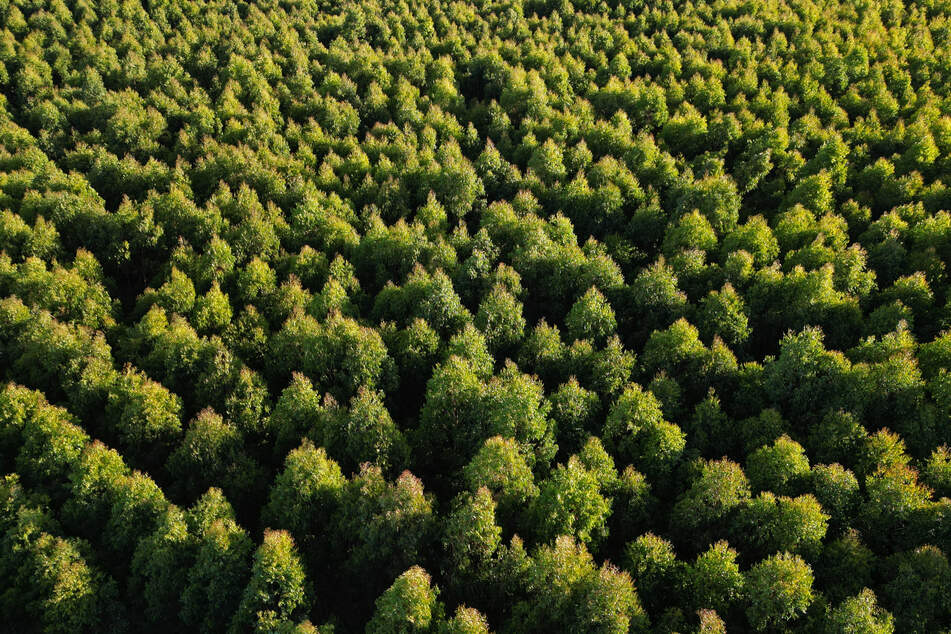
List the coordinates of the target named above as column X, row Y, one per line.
column 475, row 315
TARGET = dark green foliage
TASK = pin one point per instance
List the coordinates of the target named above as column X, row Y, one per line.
column 500, row 319
column 364, row 433
column 500, row 466
column 915, row 588
column 213, row 453
column 572, row 501
column 769, row 523
column 215, row 581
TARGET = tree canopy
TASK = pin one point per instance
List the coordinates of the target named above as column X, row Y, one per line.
column 474, row 316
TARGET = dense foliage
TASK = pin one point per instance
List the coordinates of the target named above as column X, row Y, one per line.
column 472, row 315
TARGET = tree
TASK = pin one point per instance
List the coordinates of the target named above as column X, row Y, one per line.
column 366, row 433
column 838, row 437
column 636, row 430
column 409, row 605
column 756, row 238
column 339, row 355
column 937, row 471
column 715, row 197
column 212, row 312
column 502, row 469
column 461, row 412
column 860, row 613
column 719, row 488
column 574, row 413
column 379, row 528
column 652, row 561
column 714, row 579
column 677, row 351
column 450, row 416
column 894, row 495
column 782, row 467
column 160, row 566
column 296, row 414
column 544, row 352
column 807, row 380
column 591, row 317
column 471, row 537
column 568, row 593
column 213, row 453
column 276, row 593
column 218, row 577
column 795, row 525
column 500, row 318
column 548, row 161
column 572, row 502
column 779, row 589
column 71, row 594
column 692, row 231
column 41, row 440
column 467, row 621
column 306, row 492
column 837, row 490
column 723, row 314
column 655, row 294
column 916, row 583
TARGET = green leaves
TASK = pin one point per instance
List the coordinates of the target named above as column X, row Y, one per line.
column 572, row 263
column 779, row 590
column 407, row 606
column 276, row 592
column 637, row 431
column 591, row 317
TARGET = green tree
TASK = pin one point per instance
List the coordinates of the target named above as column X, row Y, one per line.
column 782, row 467
column 723, row 313
column 637, row 431
column 591, row 317
column 793, row 525
column 779, row 589
column 719, row 488
column 213, row 453
column 471, row 536
column 409, row 605
column 915, row 586
column 366, row 433
column 568, row 593
column 467, row 621
column 305, row 493
column 575, row 412
column 652, row 561
column 860, row 613
column 277, row 590
column 500, row 466
column 500, row 319
column 218, row 577
column 572, row 502
column 714, row 579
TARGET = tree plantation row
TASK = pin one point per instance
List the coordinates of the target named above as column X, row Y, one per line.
column 475, row 316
